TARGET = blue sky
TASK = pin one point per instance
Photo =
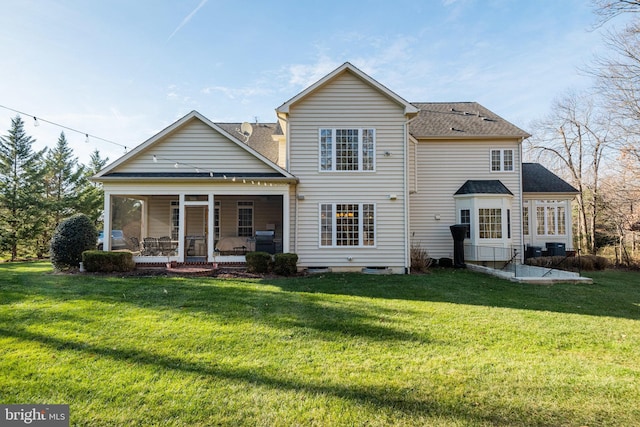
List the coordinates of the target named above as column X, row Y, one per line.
column 123, row 70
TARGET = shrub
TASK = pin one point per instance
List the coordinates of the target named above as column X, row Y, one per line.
column 107, row 262
column 258, row 262
column 285, row 264
column 420, row 259
column 73, row 236
column 584, row 262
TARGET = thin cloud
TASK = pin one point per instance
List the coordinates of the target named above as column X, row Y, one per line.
column 186, row 20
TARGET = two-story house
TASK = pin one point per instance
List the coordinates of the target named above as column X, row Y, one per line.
column 349, row 177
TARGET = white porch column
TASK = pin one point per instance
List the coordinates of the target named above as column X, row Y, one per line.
column 211, row 228
column 106, row 240
column 286, row 220
column 182, row 228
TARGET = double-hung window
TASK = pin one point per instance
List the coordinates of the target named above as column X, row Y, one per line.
column 502, row 160
column 465, row 218
column 347, row 224
column 175, row 219
column 347, row 149
column 245, row 219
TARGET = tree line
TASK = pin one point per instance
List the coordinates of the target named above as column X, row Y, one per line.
column 39, row 189
column 592, row 139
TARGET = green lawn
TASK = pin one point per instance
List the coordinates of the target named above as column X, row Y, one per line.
column 452, row 348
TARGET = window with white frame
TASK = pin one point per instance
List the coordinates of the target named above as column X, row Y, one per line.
column 347, row 149
column 216, row 221
column 551, row 217
column 465, row 218
column 490, row 223
column 245, row 218
column 175, row 219
column 525, row 220
column 347, row 224
column 502, row 160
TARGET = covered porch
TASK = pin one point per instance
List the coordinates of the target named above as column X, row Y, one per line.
column 198, row 225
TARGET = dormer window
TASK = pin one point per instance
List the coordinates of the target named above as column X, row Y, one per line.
column 348, row 150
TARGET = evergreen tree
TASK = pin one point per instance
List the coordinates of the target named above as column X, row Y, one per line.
column 21, row 191
column 91, row 200
column 63, row 182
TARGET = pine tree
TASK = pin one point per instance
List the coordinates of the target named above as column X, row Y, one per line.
column 91, row 200
column 21, row 191
column 63, row 182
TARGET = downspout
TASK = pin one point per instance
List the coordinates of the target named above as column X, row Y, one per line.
column 405, row 178
column 521, row 248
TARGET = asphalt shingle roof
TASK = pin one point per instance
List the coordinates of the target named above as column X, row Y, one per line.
column 483, row 187
column 460, row 120
column 261, row 138
column 538, row 179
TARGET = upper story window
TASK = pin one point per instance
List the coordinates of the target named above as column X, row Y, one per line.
column 347, row 149
column 502, row 160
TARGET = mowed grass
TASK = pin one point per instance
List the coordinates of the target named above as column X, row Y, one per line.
column 451, row 348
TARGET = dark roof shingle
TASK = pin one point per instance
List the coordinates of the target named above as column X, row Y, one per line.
column 483, row 187
column 538, row 179
column 460, row 120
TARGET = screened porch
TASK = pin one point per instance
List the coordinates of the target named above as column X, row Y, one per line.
column 197, row 227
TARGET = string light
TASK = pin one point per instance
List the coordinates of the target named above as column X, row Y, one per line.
column 88, row 136
column 37, row 120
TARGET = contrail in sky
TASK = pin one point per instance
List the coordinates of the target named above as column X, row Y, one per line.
column 186, row 20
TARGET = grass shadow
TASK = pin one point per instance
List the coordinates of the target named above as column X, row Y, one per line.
column 615, row 294
column 384, row 397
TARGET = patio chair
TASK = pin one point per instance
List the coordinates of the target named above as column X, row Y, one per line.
column 166, row 247
column 135, row 246
column 151, row 246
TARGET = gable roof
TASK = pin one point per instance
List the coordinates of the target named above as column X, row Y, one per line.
column 348, row 67
column 460, row 120
column 538, row 179
column 483, row 187
column 110, row 170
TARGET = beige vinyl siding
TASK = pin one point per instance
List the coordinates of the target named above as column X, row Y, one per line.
column 443, row 167
column 348, row 103
column 198, row 145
